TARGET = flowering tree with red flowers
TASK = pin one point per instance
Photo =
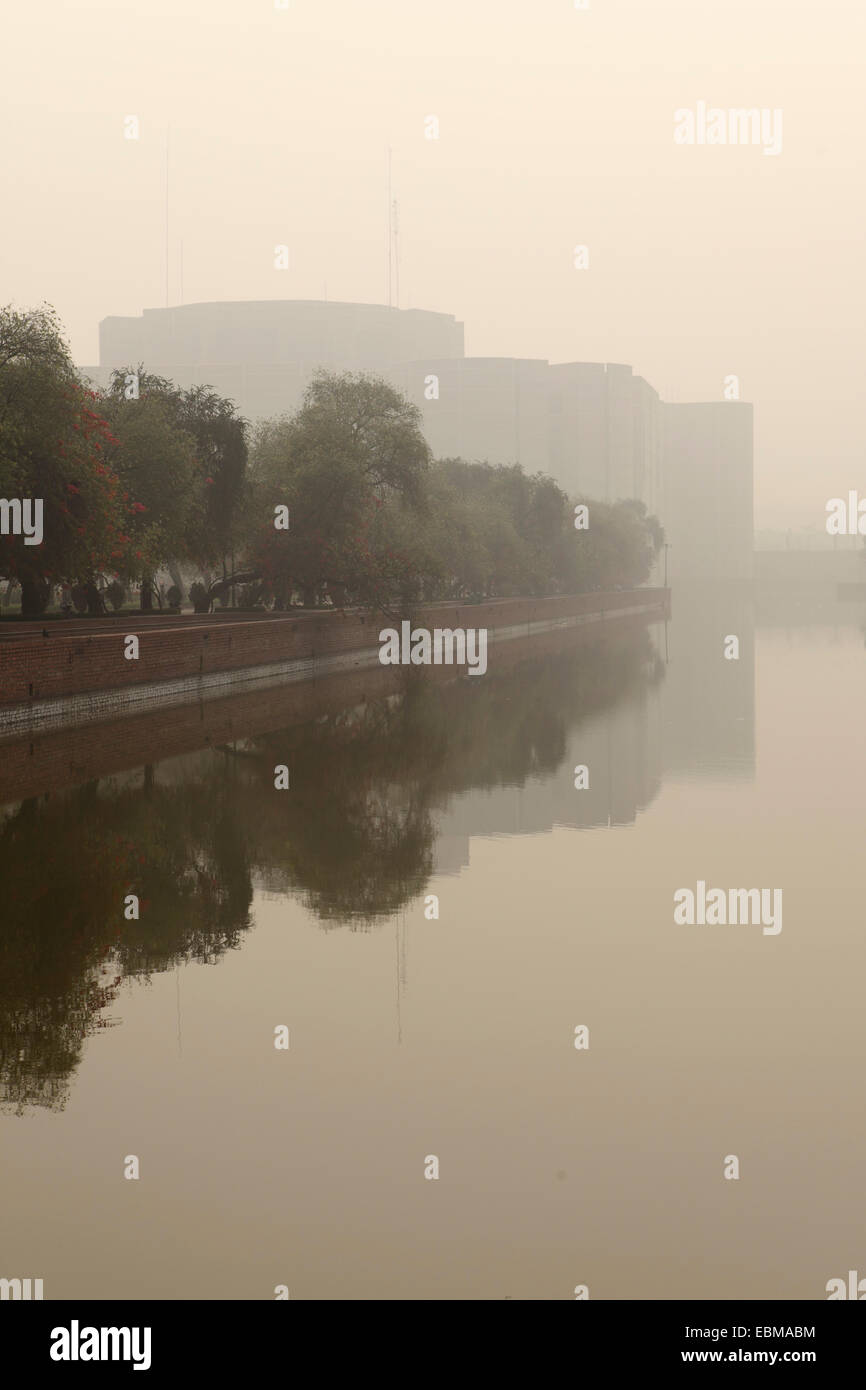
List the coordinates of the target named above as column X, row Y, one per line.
column 155, row 458
column 54, row 448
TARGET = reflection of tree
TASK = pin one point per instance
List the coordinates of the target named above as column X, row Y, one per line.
column 501, row 732
column 355, row 832
column 354, row 835
column 192, row 877
column 67, row 863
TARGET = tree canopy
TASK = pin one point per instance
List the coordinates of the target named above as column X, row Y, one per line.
column 339, row 503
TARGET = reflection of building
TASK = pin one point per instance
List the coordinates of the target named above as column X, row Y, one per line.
column 697, row 723
column 708, row 508
column 620, row 746
column 709, row 701
column 795, row 587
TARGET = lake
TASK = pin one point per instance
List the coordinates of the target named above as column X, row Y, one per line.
column 432, row 909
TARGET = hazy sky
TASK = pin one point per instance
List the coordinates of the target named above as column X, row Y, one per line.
column 556, row 128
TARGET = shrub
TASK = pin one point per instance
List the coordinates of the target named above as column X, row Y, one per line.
column 116, row 594
column 199, row 597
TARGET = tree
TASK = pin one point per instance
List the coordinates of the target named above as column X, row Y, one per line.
column 619, row 548
column 194, row 484
column 116, row 595
column 221, row 445
column 155, row 457
column 354, row 448
column 54, row 451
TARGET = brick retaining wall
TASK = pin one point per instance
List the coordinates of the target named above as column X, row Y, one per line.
column 53, row 759
column 40, row 675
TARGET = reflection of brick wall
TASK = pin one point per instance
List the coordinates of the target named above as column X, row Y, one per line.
column 54, row 760
column 40, row 668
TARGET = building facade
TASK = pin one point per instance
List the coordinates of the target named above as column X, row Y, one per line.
column 597, row 428
column 262, row 353
column 485, row 409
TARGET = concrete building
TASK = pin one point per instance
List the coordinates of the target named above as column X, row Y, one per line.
column 262, row 353
column 708, row 509
column 605, row 432
column 647, row 481
column 486, row 409
column 595, row 428
column 598, row 429
column 591, row 426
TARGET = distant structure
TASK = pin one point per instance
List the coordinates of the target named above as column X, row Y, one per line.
column 601, row 431
column 262, row 353
column 595, row 428
column 484, row 408
column 605, row 433
column 708, row 507
column 623, row 745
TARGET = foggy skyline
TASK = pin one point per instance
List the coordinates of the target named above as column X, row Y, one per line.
column 556, row 128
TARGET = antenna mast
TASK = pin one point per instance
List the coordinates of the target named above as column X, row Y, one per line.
column 166, row 215
column 390, row 257
column 395, row 221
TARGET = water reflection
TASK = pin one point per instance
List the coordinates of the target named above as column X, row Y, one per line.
column 709, row 724
column 65, row 941
column 371, row 788
column 603, row 1167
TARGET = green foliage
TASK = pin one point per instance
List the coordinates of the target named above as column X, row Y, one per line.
column 54, row 447
column 354, row 448
column 138, row 484
column 487, row 531
column 199, row 597
column 221, row 449
column 155, row 458
column 116, row 594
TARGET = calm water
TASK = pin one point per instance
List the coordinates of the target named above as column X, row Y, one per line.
column 454, row 1037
